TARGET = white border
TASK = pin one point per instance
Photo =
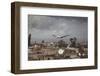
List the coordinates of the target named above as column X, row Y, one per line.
column 25, row 64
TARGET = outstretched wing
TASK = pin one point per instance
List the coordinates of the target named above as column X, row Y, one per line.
column 56, row 36
column 64, row 36
column 60, row 36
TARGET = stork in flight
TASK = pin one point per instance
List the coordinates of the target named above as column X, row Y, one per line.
column 60, row 36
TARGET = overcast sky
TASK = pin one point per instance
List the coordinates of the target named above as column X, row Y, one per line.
column 43, row 27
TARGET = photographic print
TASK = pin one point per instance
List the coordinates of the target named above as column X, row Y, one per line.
column 60, row 37
column 57, row 37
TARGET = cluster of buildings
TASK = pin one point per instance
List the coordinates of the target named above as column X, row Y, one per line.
column 56, row 50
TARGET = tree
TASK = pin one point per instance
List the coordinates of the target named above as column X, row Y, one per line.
column 73, row 42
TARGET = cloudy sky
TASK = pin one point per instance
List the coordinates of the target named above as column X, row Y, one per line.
column 44, row 27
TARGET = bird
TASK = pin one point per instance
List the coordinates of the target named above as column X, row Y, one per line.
column 60, row 36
